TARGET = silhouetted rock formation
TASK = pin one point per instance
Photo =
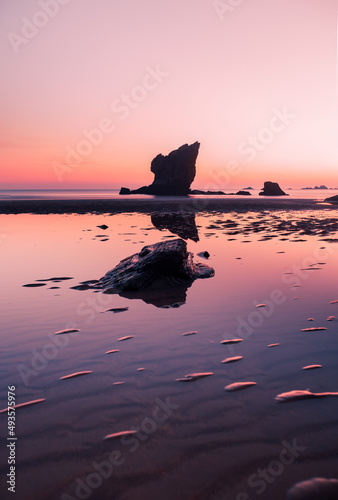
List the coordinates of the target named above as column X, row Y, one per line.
column 173, row 173
column 159, row 274
column 166, row 258
column 209, row 193
column 243, row 193
column 332, row 199
column 182, row 224
column 272, row 189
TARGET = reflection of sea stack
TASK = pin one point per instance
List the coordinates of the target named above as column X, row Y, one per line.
column 174, row 173
column 272, row 189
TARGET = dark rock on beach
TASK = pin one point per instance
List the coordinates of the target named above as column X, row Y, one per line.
column 159, row 274
column 166, row 258
column 174, row 173
column 272, row 189
column 332, row 199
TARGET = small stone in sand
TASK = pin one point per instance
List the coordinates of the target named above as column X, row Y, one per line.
column 125, row 338
column 310, row 319
column 315, row 329
column 34, row 285
column 117, row 435
column 204, row 254
column 330, row 318
column 238, row 386
column 140, row 369
column 188, row 333
column 273, row 345
column 231, row 341
column 63, row 332
column 70, row 330
column 103, row 226
column 112, row 351
column 22, row 405
column 334, row 302
column 311, row 367
column 76, row 374
column 194, row 376
column 261, row 305
column 232, row 360
column 297, row 394
column 118, row 383
column 116, row 309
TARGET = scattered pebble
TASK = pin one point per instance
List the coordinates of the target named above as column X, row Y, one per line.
column 31, row 285
column 119, row 434
column 125, row 338
column 261, row 305
column 118, row 383
column 238, row 386
column 116, row 309
column 231, row 341
column 315, row 329
column 22, row 405
column 194, row 376
column 310, row 319
column 273, row 345
column 334, row 302
column 188, row 333
column 112, row 351
column 330, row 318
column 296, row 395
column 232, row 360
column 63, row 332
column 76, row 374
column 103, row 226
column 312, row 367
column 140, row 369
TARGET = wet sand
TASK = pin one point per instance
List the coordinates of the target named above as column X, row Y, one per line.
column 209, row 443
column 122, row 205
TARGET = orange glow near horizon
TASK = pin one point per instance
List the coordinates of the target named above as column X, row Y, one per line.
column 97, row 104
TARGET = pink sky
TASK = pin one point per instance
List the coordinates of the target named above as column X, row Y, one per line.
column 156, row 74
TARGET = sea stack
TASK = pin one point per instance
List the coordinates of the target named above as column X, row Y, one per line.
column 272, row 189
column 174, row 173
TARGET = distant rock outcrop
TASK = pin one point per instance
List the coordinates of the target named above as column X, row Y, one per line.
column 272, row 189
column 243, row 193
column 332, row 199
column 174, row 173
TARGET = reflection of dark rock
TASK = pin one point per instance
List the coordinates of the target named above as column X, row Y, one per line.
column 204, row 254
column 182, row 224
column 159, row 274
column 173, row 173
column 162, row 292
column 272, row 189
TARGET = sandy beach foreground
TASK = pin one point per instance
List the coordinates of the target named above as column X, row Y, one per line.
column 189, row 396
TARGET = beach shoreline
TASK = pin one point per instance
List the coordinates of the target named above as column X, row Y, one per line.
column 186, row 204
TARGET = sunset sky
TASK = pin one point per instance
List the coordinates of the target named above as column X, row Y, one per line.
column 92, row 91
